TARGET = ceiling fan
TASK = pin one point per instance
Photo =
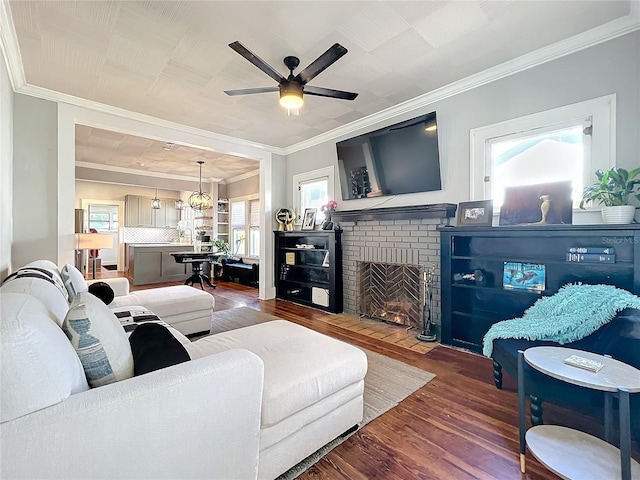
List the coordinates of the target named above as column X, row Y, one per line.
column 292, row 88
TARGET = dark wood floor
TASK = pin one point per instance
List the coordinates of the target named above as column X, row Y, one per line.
column 458, row 426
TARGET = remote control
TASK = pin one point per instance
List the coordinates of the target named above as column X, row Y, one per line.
column 585, row 363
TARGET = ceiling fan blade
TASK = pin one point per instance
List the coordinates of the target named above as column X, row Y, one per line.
column 247, row 91
column 257, row 61
column 327, row 92
column 321, row 63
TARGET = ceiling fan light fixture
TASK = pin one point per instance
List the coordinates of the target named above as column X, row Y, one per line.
column 200, row 200
column 291, row 95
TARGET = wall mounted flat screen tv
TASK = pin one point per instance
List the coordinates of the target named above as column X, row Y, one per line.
column 402, row 158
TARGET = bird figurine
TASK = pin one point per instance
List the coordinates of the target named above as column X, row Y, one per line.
column 544, row 208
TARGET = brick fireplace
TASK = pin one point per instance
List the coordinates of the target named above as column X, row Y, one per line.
column 396, row 235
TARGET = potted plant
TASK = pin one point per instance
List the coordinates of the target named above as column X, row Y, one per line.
column 225, row 249
column 222, row 247
column 615, row 189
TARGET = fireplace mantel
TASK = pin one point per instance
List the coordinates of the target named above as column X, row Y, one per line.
column 437, row 210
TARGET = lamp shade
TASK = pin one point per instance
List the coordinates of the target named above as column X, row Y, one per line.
column 93, row 241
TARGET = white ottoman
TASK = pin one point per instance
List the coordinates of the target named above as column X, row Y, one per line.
column 313, row 388
column 185, row 308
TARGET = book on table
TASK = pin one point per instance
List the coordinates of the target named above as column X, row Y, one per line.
column 590, row 258
column 590, row 250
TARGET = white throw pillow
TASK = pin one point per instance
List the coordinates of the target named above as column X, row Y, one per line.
column 99, row 340
column 73, row 281
column 53, row 273
column 38, row 366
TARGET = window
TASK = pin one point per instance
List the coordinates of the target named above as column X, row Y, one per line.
column 539, row 157
column 104, row 218
column 568, row 143
column 313, row 190
column 245, row 219
column 238, row 228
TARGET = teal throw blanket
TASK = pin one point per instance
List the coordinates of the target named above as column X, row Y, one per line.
column 574, row 312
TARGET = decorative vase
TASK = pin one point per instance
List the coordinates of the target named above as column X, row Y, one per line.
column 618, row 214
column 327, row 224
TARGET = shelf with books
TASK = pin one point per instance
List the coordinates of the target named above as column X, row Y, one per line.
column 309, row 268
column 495, row 273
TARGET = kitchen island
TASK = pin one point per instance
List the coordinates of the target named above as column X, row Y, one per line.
column 153, row 263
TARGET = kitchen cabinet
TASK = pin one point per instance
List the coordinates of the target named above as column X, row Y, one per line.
column 138, row 212
column 166, row 216
column 153, row 263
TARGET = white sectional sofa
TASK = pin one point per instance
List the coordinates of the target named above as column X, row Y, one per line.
column 185, row 308
column 251, row 403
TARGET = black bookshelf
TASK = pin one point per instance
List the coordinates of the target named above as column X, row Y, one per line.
column 309, row 276
column 471, row 305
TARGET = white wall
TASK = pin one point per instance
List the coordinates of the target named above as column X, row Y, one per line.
column 35, row 185
column 6, row 170
column 241, row 188
column 611, row 67
column 271, row 199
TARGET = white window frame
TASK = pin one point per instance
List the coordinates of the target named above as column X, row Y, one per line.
column 602, row 112
column 252, row 228
column 308, row 177
column 247, row 220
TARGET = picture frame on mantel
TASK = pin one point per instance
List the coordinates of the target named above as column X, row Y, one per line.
column 538, row 204
column 475, row 214
column 309, row 219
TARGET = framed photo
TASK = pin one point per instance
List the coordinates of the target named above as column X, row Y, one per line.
column 475, row 214
column 309, row 219
column 541, row 204
column 325, row 262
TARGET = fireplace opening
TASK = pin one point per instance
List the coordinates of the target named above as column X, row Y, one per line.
column 390, row 292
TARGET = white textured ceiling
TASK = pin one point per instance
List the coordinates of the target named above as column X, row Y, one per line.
column 171, row 59
column 120, row 151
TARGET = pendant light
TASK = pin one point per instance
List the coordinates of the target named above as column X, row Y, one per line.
column 179, row 204
column 156, row 203
column 200, row 200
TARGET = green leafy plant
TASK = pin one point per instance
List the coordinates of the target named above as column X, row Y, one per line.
column 222, row 247
column 615, row 186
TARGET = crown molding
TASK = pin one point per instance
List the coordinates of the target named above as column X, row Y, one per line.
column 595, row 36
column 10, row 48
column 243, row 176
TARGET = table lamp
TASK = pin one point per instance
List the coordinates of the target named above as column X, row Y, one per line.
column 91, row 241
